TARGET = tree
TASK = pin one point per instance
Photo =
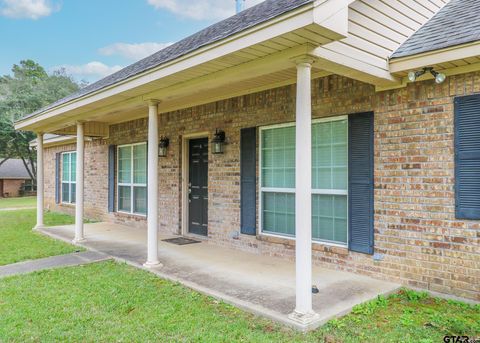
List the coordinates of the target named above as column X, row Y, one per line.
column 27, row 90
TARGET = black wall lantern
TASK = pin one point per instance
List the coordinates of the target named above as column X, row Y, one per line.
column 163, row 147
column 218, row 142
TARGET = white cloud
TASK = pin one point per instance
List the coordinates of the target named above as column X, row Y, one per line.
column 200, row 10
column 90, row 72
column 132, row 51
column 30, row 9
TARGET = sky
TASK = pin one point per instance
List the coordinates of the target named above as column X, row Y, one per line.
column 91, row 39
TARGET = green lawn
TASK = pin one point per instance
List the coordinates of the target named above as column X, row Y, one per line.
column 408, row 316
column 18, row 242
column 111, row 302
column 18, row 202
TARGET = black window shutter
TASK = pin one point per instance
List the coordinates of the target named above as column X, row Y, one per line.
column 467, row 157
column 248, row 199
column 360, row 183
column 58, row 185
column 111, row 177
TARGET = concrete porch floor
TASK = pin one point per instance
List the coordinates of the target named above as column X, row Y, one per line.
column 259, row 284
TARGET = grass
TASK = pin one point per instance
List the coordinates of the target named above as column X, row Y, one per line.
column 18, row 242
column 21, row 202
column 110, row 302
column 407, row 316
column 106, row 302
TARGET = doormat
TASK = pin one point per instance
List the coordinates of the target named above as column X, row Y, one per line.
column 180, row 241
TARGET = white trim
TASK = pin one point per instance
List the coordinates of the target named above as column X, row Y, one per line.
column 329, row 119
column 69, row 182
column 292, row 190
column 278, row 190
column 47, row 142
column 428, row 58
column 330, row 191
column 132, row 185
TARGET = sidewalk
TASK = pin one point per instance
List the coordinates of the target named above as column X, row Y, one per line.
column 16, row 208
column 68, row 260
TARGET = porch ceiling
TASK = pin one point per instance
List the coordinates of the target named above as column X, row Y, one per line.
column 258, row 59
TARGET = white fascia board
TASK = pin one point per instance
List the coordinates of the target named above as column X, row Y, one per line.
column 342, row 64
column 333, row 15
column 55, row 141
column 286, row 23
column 429, row 58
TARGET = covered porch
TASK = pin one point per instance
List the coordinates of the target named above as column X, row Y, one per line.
column 249, row 62
column 259, row 284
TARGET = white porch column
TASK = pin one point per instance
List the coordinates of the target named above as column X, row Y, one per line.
column 303, row 196
column 152, row 216
column 79, row 232
column 40, row 181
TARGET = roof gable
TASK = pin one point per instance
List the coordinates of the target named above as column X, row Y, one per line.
column 456, row 23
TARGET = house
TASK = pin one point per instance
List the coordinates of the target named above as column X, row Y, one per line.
column 14, row 178
column 210, row 137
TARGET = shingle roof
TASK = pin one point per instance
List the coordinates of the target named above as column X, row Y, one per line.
column 13, row 169
column 456, row 23
column 248, row 18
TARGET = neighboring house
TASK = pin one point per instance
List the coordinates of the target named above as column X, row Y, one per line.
column 324, row 138
column 14, row 179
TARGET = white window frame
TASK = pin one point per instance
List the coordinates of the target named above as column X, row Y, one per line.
column 261, row 189
column 69, row 182
column 132, row 185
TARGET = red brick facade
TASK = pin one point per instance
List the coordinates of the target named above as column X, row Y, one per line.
column 11, row 187
column 418, row 241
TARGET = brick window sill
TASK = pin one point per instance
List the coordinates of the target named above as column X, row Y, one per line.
column 316, row 246
column 130, row 215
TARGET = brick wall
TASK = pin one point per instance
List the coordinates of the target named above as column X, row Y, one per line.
column 11, row 187
column 417, row 238
column 96, row 176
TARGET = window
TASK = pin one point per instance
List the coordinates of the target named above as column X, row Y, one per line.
column 329, row 180
column 69, row 169
column 132, row 178
column 28, row 186
column 278, row 180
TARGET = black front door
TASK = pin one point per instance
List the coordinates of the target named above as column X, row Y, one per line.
column 198, row 186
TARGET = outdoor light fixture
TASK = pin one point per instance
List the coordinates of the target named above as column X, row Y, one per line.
column 218, row 142
column 414, row 75
column 163, row 147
